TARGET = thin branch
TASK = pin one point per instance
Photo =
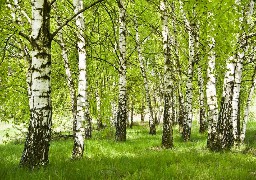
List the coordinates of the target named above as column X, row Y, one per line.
column 53, row 1
column 100, row 59
column 25, row 36
column 74, row 16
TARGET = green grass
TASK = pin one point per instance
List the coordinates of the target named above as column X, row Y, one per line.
column 139, row 158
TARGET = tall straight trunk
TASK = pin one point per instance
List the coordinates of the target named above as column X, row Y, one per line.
column 202, row 112
column 70, row 80
column 122, row 100
column 181, row 111
column 247, row 107
column 82, row 102
column 236, row 99
column 189, row 84
column 211, row 94
column 37, row 143
column 98, row 107
column 167, row 137
column 152, row 126
column 132, row 113
column 225, row 125
column 142, row 112
column 244, row 18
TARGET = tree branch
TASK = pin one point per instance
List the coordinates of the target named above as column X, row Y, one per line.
column 25, row 36
column 72, row 17
column 53, row 1
column 250, row 36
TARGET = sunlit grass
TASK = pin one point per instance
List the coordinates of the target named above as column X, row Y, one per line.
column 141, row 157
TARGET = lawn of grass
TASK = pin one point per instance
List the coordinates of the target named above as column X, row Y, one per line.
column 139, row 158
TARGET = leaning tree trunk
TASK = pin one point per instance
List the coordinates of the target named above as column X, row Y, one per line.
column 244, row 18
column 211, row 94
column 247, row 108
column 152, row 126
column 70, row 80
column 167, row 137
column 82, row 102
column 39, row 132
column 122, row 101
column 189, row 84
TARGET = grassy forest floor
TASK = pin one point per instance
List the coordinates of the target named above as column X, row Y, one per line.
column 141, row 157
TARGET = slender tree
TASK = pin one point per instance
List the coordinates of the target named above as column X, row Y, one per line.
column 167, row 137
column 122, row 101
column 152, row 125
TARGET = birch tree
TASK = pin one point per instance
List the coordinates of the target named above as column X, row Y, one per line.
column 36, row 148
column 167, row 137
column 247, row 107
column 122, row 100
column 145, row 81
column 211, row 94
column 189, row 85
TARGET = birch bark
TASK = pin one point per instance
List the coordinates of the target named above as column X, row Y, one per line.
column 189, row 85
column 122, row 101
column 152, row 125
column 211, row 94
column 247, row 108
column 37, row 143
column 82, row 126
column 167, row 137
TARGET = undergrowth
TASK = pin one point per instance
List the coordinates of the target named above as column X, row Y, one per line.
column 140, row 157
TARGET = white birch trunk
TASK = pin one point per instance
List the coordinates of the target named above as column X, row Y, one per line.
column 98, row 107
column 167, row 137
column 247, row 107
column 202, row 117
column 238, row 70
column 225, row 124
column 122, row 101
column 211, row 94
column 145, row 81
column 82, row 102
column 39, row 133
column 70, row 80
column 189, row 84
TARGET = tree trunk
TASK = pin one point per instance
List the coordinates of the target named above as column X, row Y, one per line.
column 189, row 84
column 247, row 108
column 202, row 117
column 225, row 125
column 82, row 102
column 70, row 80
column 152, row 125
column 142, row 112
column 98, row 105
column 132, row 113
column 39, row 132
column 167, row 137
column 212, row 101
column 122, row 101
